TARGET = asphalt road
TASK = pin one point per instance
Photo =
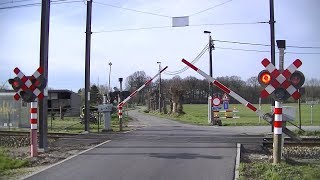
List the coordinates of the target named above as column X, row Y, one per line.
column 159, row 149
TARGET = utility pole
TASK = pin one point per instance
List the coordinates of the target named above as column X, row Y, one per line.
column 277, row 137
column 272, row 40
column 210, row 71
column 120, row 100
column 87, row 66
column 109, row 87
column 159, row 86
column 210, row 59
column 44, row 53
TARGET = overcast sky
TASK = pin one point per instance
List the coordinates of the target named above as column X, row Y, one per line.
column 297, row 21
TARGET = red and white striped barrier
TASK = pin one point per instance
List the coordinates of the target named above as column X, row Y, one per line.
column 277, row 124
column 34, row 127
column 136, row 91
column 225, row 89
column 120, row 111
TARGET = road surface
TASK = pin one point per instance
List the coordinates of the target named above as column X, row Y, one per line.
column 159, row 149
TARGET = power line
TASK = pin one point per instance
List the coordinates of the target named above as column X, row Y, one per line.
column 199, row 12
column 11, row 2
column 238, row 49
column 232, row 23
column 161, row 27
column 39, row 4
column 132, row 29
column 268, row 45
column 186, row 67
column 129, row 9
column 254, row 50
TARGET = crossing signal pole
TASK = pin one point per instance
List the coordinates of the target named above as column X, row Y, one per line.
column 44, row 53
column 87, row 67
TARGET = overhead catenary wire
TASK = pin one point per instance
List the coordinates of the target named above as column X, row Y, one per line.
column 207, row 9
column 191, row 25
column 39, row 4
column 173, row 73
column 267, row 45
column 129, row 9
column 265, row 51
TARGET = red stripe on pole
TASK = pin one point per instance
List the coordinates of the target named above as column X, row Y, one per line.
column 120, row 113
column 265, row 62
column 277, row 124
column 33, row 121
column 221, row 86
column 250, row 106
column 148, row 82
column 297, row 63
column 277, row 110
column 33, row 110
column 120, row 105
column 189, row 64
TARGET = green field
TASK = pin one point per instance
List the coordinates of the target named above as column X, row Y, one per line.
column 197, row 114
column 73, row 125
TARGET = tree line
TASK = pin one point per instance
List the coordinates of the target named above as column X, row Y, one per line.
column 191, row 90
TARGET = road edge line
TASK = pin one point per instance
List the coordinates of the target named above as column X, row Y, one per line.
column 68, row 158
column 236, row 171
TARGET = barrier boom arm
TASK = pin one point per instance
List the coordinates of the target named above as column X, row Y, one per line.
column 228, row 91
column 136, row 91
column 265, row 116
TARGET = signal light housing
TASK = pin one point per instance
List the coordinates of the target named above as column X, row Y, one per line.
column 27, row 95
column 16, row 83
column 297, row 79
column 264, row 78
column 280, row 94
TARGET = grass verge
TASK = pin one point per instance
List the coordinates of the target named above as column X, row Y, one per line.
column 7, row 162
column 282, row 171
column 198, row 114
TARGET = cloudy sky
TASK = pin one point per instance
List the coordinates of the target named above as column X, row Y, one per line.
column 135, row 34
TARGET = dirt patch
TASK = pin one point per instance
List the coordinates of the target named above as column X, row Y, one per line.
column 58, row 149
column 291, row 153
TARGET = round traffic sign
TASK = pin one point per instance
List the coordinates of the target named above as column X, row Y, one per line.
column 216, row 101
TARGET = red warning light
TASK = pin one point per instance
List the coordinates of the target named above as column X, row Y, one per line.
column 264, row 77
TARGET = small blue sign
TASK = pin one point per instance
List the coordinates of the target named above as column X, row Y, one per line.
column 225, row 105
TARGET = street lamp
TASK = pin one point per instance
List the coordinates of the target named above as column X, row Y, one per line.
column 110, row 64
column 210, row 59
column 159, row 86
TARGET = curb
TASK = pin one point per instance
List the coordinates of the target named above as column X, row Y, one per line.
column 236, row 172
column 55, row 164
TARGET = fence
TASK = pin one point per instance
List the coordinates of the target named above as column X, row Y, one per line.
column 13, row 114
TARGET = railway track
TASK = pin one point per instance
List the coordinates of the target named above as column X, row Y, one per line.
column 27, row 133
column 266, row 141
